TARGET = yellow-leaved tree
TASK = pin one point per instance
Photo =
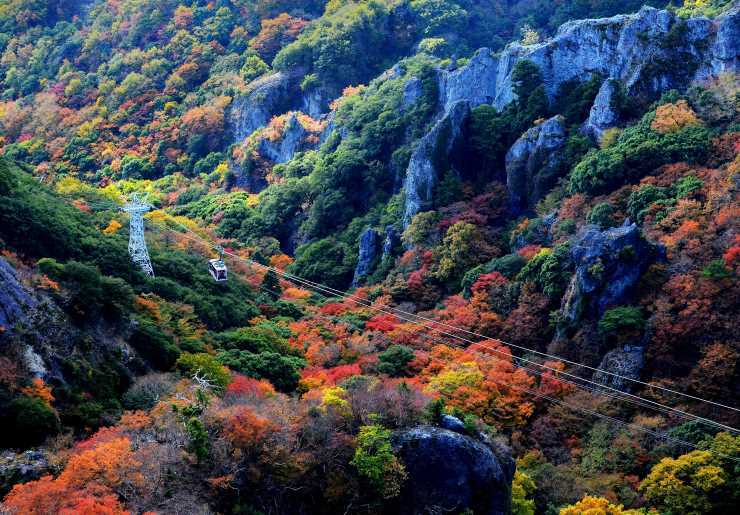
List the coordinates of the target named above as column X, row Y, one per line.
column 702, row 481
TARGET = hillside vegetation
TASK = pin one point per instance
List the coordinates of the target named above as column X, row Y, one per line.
column 543, row 292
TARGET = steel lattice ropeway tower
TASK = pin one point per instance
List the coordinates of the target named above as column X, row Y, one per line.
column 136, row 242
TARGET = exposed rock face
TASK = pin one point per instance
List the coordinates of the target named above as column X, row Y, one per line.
column 293, row 140
column 412, row 92
column 533, row 163
column 604, row 114
column 625, row 361
column 15, row 299
column 608, row 264
column 452, row 424
column 624, row 47
column 267, row 97
column 450, row 473
column 390, row 241
column 316, row 102
column 627, row 48
column 474, row 83
column 21, row 468
column 366, row 256
column 430, row 158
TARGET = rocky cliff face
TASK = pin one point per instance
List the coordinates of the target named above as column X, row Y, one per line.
column 430, row 158
column 367, row 255
column 295, row 138
column 449, row 472
column 266, row 97
column 15, row 300
column 638, row 50
column 608, row 264
column 629, row 48
column 533, row 163
column 604, row 113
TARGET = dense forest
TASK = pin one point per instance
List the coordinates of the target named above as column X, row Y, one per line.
column 482, row 257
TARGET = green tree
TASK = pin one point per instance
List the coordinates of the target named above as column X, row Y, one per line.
column 394, row 360
column 279, row 369
column 31, row 422
column 271, row 285
column 463, row 246
column 622, row 321
column 154, row 345
column 205, row 366
column 375, row 461
column 602, row 214
column 522, row 490
column 700, row 482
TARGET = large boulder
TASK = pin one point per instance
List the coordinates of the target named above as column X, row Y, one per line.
column 534, row 162
column 449, row 472
column 608, row 264
column 619, row 365
column 431, row 158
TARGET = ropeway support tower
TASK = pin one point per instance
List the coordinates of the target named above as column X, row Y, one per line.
column 136, row 242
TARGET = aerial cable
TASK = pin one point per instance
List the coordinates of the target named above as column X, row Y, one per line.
column 564, row 360
column 598, row 388
column 631, row 425
column 554, row 370
column 641, row 401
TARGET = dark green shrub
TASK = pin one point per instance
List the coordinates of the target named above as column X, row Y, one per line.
column 602, row 214
column 638, row 151
column 622, row 320
column 279, row 369
column 394, row 360
column 32, row 422
column 644, row 197
column 717, row 270
column 550, row 270
column 155, row 346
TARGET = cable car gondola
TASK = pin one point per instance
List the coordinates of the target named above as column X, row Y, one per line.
column 217, row 267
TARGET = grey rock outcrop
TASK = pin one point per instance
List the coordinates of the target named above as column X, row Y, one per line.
column 450, row 473
column 474, row 83
column 608, row 264
column 624, row 47
column 604, row 113
column 266, row 97
column 623, row 362
column 390, row 241
column 533, row 163
column 627, row 48
column 16, row 468
column 430, row 158
column 452, row 423
column 15, row 300
column 366, row 257
column 412, row 91
column 294, row 139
